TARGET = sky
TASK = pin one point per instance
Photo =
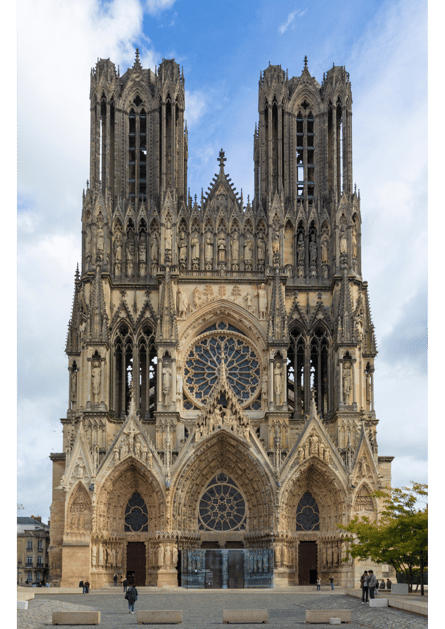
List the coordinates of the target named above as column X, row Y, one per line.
column 223, row 47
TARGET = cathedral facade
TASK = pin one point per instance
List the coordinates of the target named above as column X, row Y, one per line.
column 221, row 418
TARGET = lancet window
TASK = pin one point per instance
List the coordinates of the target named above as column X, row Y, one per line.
column 305, row 153
column 138, row 362
column 307, row 369
column 137, row 150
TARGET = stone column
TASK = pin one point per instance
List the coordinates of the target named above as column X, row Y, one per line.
column 225, row 570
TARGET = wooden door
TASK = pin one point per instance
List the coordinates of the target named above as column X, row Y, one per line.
column 307, row 563
column 136, row 563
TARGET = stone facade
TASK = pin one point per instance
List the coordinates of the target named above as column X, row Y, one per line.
column 220, row 354
column 32, row 550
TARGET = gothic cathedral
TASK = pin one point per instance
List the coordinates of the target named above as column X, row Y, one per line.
column 221, row 418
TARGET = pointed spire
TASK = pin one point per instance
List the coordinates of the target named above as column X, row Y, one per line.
column 305, row 61
column 222, row 159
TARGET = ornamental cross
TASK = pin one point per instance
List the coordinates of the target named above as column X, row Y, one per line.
column 222, row 159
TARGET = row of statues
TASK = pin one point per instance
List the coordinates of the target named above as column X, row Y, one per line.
column 200, row 297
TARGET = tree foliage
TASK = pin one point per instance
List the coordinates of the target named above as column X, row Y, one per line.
column 400, row 535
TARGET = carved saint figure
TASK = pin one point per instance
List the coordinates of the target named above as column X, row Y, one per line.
column 261, row 249
column 276, row 247
column 100, row 239
column 235, row 248
column 343, row 241
column 313, row 250
column 74, row 385
column 142, row 255
column 182, row 303
column 154, row 249
column 195, row 247
column 168, row 236
column 248, row 249
column 197, row 299
column 182, row 248
column 300, row 250
column 354, row 242
column 221, row 248
column 368, row 390
column 262, row 302
column 324, row 248
column 96, row 381
column 347, row 382
column 248, row 300
column 278, row 383
column 166, row 382
column 130, row 252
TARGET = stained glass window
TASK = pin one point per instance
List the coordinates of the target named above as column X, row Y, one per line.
column 203, row 363
column 136, row 514
column 308, row 515
column 222, row 506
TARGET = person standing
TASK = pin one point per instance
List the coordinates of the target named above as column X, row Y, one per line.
column 318, row 584
column 115, row 579
column 132, row 597
column 87, row 587
column 125, row 583
column 331, row 581
column 364, row 585
column 372, row 583
column 82, row 586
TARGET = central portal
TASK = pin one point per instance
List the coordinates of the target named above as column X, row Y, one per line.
column 136, row 563
column 307, row 563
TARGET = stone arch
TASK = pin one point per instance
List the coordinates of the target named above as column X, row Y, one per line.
column 78, row 513
column 116, row 490
column 224, row 451
column 327, row 490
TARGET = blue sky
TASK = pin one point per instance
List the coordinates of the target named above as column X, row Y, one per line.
column 222, row 46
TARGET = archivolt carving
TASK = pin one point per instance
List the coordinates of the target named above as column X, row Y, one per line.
column 78, row 517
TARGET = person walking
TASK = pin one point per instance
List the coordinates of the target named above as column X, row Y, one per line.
column 132, row 597
column 115, row 580
column 364, row 579
column 318, row 584
column 331, row 581
column 372, row 584
column 125, row 583
column 87, row 586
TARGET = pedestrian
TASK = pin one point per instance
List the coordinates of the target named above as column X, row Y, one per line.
column 388, row 584
column 364, row 579
column 81, row 586
column 318, row 584
column 372, row 583
column 115, row 579
column 125, row 583
column 382, row 585
column 331, row 581
column 47, row 584
column 87, row 586
column 132, row 597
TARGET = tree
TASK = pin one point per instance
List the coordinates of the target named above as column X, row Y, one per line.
column 399, row 537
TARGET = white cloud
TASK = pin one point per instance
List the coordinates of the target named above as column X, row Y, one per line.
column 155, row 7
column 290, row 20
column 195, row 107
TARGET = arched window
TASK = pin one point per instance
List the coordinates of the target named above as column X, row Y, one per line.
column 123, row 363
column 222, row 507
column 308, row 514
column 296, row 373
column 136, row 514
column 319, row 369
column 147, row 372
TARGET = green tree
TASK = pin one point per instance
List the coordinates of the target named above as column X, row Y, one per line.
column 399, row 537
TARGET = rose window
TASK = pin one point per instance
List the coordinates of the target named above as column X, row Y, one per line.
column 203, row 364
column 136, row 514
column 222, row 507
column 308, row 517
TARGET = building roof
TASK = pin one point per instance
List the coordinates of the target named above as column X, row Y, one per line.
column 30, row 524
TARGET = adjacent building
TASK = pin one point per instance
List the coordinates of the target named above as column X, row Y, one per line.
column 32, row 550
column 221, row 351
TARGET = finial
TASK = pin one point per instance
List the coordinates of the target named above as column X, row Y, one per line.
column 137, row 55
column 222, row 158
column 305, row 61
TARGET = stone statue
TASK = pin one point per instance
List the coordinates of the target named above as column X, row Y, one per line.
column 208, row 250
column 130, row 252
column 168, row 236
column 313, row 250
column 142, row 255
column 278, row 383
column 96, row 381
column 347, row 383
column 182, row 247
column 300, row 250
column 195, row 247
column 248, row 300
column 354, row 242
column 222, row 248
column 324, row 248
column 343, row 241
column 197, row 298
column 276, row 247
column 74, row 386
column 262, row 302
column 100, row 239
column 101, row 555
column 235, row 250
column 137, row 448
column 116, row 455
column 166, row 383
column 154, row 249
column 248, row 250
column 118, row 251
column 182, row 304
column 261, row 249
column 368, row 390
